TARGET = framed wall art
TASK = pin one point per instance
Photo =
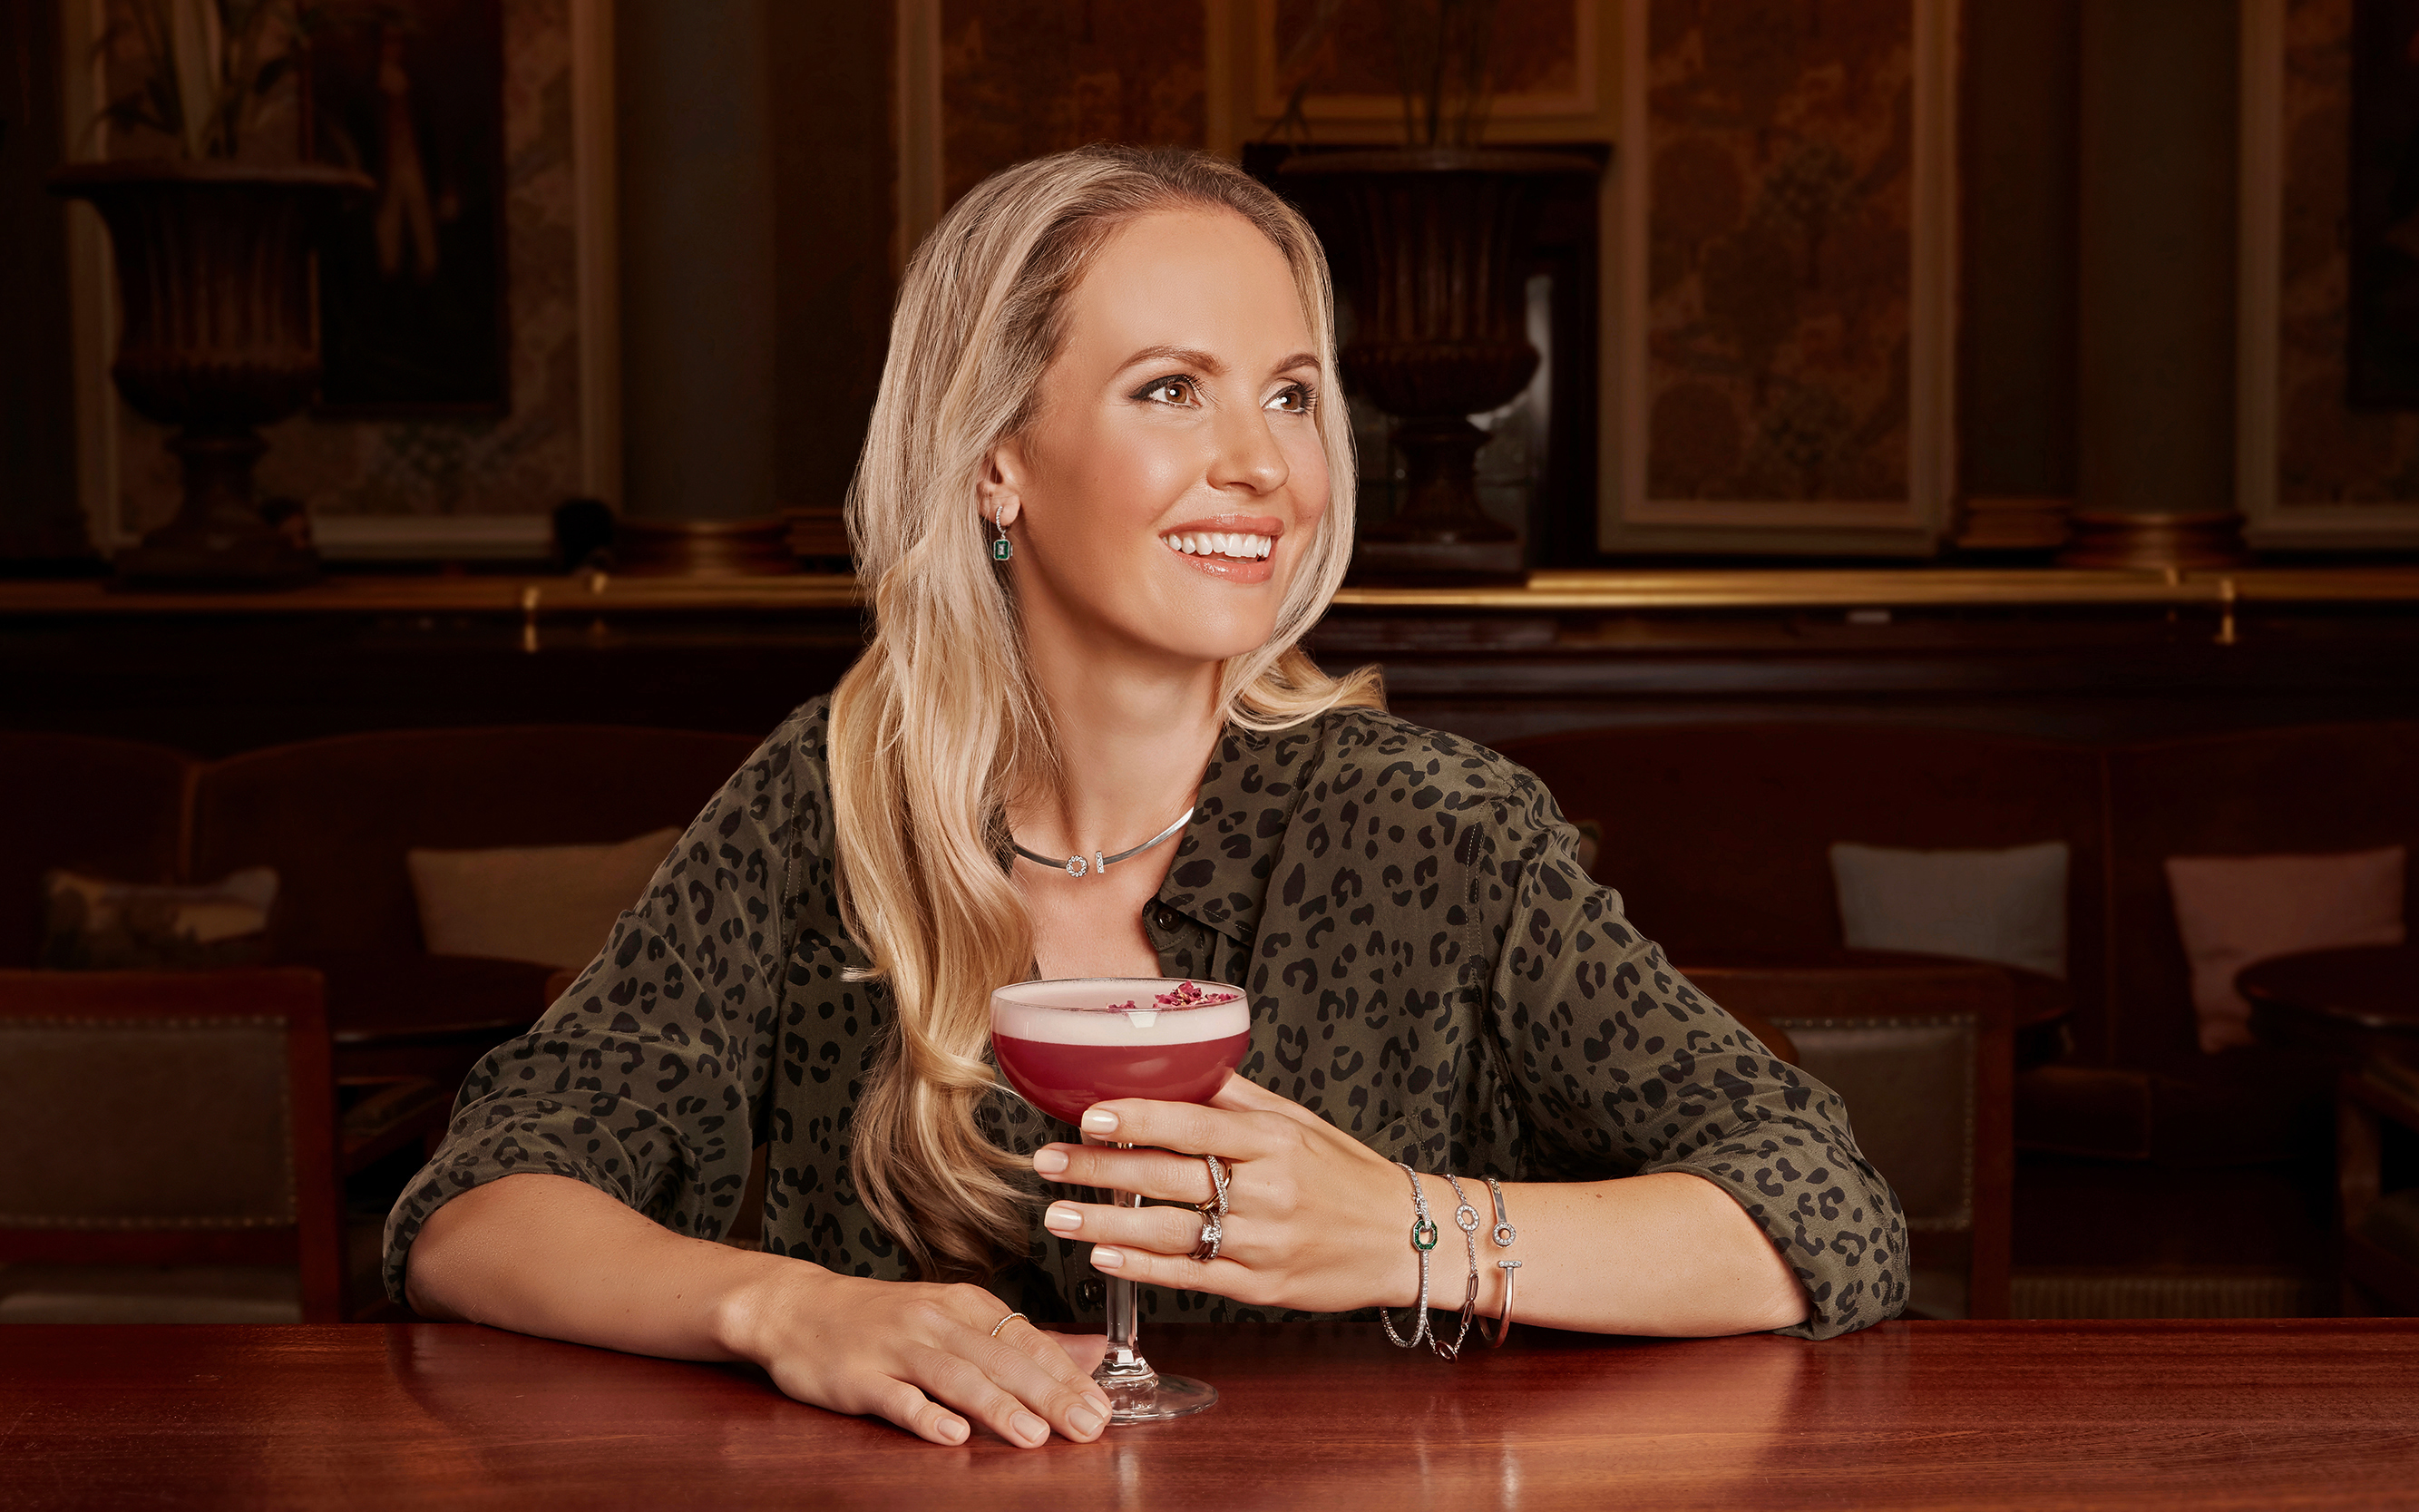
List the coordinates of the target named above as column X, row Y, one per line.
column 2327, row 357
column 413, row 314
column 470, row 326
column 1781, row 337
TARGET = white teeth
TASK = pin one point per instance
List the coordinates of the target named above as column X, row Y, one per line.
column 1236, row 543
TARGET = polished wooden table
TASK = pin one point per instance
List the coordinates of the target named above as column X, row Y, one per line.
column 2359, row 1001
column 2306, row 1413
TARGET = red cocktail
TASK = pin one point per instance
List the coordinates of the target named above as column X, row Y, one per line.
column 1066, row 1059
column 1066, row 1045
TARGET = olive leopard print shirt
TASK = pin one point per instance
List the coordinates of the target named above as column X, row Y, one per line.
column 1429, row 968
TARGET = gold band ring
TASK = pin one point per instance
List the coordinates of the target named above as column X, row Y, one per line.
column 1217, row 1203
column 1005, row 1321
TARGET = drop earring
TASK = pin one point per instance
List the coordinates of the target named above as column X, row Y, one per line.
column 1002, row 549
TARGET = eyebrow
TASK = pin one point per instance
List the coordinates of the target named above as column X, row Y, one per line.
column 1195, row 357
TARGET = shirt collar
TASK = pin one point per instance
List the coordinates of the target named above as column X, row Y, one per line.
column 1249, row 793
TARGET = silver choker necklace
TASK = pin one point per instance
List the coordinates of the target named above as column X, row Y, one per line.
column 1075, row 865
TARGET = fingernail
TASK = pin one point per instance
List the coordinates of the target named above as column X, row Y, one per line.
column 1029, row 1428
column 1050, row 1160
column 1086, row 1418
column 1100, row 1121
column 1105, row 1258
column 954, row 1431
column 1062, row 1218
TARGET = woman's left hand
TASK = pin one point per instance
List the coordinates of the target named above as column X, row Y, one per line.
column 1316, row 1220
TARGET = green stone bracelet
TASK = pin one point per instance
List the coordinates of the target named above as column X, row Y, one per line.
column 1424, row 1239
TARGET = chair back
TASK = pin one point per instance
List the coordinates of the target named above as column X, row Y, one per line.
column 1922, row 1054
column 171, row 1118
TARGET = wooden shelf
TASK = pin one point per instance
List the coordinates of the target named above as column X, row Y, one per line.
column 1543, row 592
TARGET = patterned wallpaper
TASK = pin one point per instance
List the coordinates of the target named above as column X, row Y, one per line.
column 2326, row 451
column 1782, row 143
column 1535, row 47
column 1022, row 78
column 524, row 463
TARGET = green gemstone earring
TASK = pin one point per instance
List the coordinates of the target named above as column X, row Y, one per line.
column 1002, row 549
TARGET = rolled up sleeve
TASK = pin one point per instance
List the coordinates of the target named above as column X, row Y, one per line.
column 1623, row 1067
column 642, row 1079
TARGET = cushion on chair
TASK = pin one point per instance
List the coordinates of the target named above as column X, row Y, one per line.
column 111, row 808
column 2007, row 906
column 550, row 905
column 94, row 924
column 2235, row 910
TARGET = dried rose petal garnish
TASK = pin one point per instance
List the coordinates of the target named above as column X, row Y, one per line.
column 1188, row 996
column 1185, row 995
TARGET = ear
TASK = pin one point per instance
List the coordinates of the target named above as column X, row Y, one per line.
column 1001, row 489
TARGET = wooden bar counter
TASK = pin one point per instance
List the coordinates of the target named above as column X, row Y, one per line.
column 2253, row 1413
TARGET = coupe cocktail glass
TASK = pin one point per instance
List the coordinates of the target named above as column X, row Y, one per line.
column 1068, row 1044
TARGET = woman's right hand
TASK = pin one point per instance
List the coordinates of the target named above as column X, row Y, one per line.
column 922, row 1356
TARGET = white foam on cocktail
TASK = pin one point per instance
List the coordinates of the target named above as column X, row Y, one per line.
column 1038, row 1011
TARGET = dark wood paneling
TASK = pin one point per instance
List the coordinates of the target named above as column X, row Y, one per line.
column 216, row 686
column 212, row 684
column 2091, row 676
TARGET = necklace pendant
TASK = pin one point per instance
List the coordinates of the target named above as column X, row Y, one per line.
column 1075, row 865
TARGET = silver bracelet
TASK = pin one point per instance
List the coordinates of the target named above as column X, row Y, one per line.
column 1424, row 1239
column 1465, row 1218
column 1503, row 1236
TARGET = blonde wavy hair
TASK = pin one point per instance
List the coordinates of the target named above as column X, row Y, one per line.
column 941, row 718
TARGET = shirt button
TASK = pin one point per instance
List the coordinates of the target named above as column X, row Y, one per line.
column 1091, row 1292
column 1163, row 916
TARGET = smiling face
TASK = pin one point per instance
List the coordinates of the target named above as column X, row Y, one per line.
column 1173, row 477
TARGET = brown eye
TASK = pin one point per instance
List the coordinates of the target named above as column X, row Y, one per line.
column 1294, row 400
column 1176, row 390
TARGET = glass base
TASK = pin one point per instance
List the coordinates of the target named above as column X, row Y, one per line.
column 1157, row 1400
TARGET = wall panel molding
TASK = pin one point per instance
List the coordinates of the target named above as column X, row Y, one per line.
column 2267, row 203
column 1637, row 515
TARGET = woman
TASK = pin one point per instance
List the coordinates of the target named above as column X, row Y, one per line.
column 1104, row 493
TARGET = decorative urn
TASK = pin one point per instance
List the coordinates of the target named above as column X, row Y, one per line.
column 1440, row 241
column 216, row 338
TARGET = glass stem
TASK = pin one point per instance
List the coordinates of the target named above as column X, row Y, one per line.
column 1123, row 1364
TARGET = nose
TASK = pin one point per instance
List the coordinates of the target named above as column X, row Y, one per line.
column 1248, row 456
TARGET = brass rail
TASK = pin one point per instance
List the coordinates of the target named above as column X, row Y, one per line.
column 529, row 598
